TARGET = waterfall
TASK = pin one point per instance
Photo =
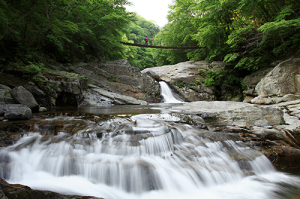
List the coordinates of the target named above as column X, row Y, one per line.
column 139, row 157
column 167, row 93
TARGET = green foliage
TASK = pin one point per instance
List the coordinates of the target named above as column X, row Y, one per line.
column 39, row 80
column 33, row 68
column 62, row 30
column 249, row 34
column 202, row 72
column 82, row 78
column 138, row 30
column 224, row 78
column 197, row 81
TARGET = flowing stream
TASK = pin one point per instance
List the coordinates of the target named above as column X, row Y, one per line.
column 139, row 156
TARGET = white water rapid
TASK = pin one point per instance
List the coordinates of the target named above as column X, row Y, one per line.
column 139, row 157
column 167, row 93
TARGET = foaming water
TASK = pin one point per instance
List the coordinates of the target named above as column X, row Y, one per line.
column 142, row 156
column 167, row 93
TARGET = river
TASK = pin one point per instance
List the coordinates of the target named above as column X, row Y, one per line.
column 138, row 152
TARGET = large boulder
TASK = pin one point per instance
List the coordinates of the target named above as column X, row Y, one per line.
column 40, row 95
column 15, row 112
column 251, row 81
column 21, row 95
column 283, row 80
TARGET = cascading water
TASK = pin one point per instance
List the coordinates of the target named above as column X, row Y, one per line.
column 167, row 93
column 142, row 156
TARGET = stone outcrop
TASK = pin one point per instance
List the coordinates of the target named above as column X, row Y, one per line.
column 281, row 84
column 15, row 112
column 121, row 78
column 184, row 79
column 235, row 113
column 273, row 129
column 22, row 96
column 118, row 98
column 61, row 89
column 5, row 96
column 251, row 81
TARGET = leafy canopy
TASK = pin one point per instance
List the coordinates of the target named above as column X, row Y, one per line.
column 249, row 34
column 138, row 30
column 63, row 30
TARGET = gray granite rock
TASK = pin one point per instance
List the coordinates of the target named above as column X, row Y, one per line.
column 15, row 111
column 21, row 95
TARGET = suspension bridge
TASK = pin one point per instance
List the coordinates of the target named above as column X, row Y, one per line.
column 163, row 47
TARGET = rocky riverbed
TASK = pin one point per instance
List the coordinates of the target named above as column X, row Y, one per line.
column 267, row 121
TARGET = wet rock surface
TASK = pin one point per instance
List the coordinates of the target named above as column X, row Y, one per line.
column 15, row 111
column 273, row 130
column 17, row 191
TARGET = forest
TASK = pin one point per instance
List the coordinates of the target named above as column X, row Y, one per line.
column 248, row 34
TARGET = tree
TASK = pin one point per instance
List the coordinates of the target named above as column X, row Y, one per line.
column 249, row 34
column 246, row 33
column 138, row 30
column 64, row 30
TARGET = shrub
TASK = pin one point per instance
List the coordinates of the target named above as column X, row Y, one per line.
column 33, row 69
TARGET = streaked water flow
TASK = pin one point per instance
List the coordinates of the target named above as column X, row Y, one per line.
column 141, row 156
column 167, row 93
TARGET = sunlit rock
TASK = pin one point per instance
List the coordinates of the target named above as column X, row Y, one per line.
column 281, row 81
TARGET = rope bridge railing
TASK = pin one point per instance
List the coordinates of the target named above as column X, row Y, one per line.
column 164, row 47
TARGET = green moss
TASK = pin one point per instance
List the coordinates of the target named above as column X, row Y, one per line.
column 209, row 120
column 180, row 84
